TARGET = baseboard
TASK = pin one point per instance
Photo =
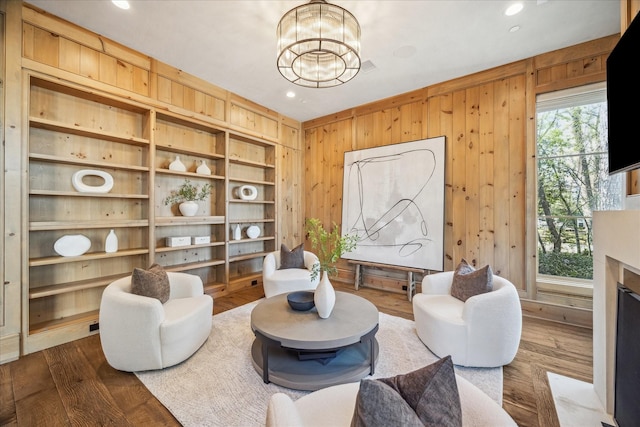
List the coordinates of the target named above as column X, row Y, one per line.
column 9, row 348
column 557, row 313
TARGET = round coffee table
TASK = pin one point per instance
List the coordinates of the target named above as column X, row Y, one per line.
column 300, row 350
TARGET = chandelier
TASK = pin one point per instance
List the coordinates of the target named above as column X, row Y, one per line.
column 318, row 45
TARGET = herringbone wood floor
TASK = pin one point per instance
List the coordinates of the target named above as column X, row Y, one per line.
column 72, row 384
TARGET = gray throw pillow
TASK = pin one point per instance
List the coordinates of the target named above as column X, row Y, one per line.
column 153, row 283
column 468, row 282
column 293, row 258
column 432, row 392
column 379, row 405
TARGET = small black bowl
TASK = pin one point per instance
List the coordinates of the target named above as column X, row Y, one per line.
column 301, row 300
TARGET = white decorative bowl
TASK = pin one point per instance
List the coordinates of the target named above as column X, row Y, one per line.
column 72, row 245
column 253, row 232
column 81, row 187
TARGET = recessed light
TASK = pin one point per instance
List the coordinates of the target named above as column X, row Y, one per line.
column 291, row 94
column 122, row 4
column 513, row 9
column 514, row 28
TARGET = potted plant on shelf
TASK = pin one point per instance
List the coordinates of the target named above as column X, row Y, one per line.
column 328, row 247
column 187, row 195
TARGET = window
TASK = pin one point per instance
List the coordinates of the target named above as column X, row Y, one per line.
column 571, row 138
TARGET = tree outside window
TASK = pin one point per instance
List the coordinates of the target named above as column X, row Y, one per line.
column 572, row 181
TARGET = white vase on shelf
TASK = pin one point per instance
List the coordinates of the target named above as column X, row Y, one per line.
column 111, row 243
column 237, row 233
column 324, row 296
column 189, row 208
column 177, row 165
column 203, row 169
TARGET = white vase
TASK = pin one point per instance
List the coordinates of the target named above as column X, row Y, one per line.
column 324, row 296
column 237, row 233
column 203, row 169
column 188, row 208
column 177, row 165
column 111, row 243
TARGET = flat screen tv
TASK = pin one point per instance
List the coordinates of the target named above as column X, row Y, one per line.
column 623, row 95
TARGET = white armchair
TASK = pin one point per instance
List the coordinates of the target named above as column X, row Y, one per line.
column 139, row 333
column 276, row 281
column 484, row 331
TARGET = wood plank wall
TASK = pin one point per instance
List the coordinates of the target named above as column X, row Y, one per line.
column 488, row 120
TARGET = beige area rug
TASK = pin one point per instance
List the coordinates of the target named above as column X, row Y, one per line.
column 218, row 385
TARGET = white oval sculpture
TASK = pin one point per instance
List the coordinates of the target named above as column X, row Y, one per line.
column 81, row 187
column 246, row 192
column 253, row 232
column 72, row 245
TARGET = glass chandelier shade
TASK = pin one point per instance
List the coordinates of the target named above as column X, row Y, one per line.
column 318, row 45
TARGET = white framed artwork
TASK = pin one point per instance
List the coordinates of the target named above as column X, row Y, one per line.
column 393, row 201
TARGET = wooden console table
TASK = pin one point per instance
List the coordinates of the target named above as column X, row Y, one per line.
column 411, row 284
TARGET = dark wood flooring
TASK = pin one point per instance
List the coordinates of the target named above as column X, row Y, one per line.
column 72, row 384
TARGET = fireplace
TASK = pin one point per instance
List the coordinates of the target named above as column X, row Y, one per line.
column 626, row 410
column 616, row 259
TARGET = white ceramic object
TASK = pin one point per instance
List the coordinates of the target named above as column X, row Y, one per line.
column 188, row 208
column 177, row 165
column 253, row 232
column 111, row 243
column 324, row 296
column 237, row 234
column 203, row 169
column 81, row 187
column 72, row 245
column 246, row 192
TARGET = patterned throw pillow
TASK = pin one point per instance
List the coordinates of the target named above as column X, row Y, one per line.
column 293, row 258
column 428, row 396
column 153, row 282
column 468, row 282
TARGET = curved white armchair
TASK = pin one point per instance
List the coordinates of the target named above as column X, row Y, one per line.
column 276, row 281
column 139, row 333
column 484, row 331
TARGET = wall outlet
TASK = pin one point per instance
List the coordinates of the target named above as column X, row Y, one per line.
column 94, row 327
column 254, row 282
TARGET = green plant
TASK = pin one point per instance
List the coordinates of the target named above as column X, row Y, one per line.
column 328, row 246
column 188, row 192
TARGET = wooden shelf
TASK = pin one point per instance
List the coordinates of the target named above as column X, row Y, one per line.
column 257, row 239
column 81, row 225
column 245, row 257
column 55, row 126
column 188, row 174
column 181, row 248
column 245, row 162
column 38, row 262
column 77, row 194
column 187, row 151
column 251, row 181
column 244, row 278
column 165, row 221
column 195, row 265
column 85, row 162
column 251, row 221
column 61, row 288
column 87, row 317
column 249, row 202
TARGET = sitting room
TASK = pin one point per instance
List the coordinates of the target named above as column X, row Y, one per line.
column 421, row 213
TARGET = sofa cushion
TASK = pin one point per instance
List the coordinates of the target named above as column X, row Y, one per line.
column 468, row 282
column 427, row 396
column 293, row 258
column 153, row 283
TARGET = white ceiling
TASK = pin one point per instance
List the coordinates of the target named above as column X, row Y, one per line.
column 232, row 43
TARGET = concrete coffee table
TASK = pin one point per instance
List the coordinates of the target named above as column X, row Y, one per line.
column 299, row 350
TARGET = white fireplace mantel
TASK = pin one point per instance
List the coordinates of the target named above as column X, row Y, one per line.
column 616, row 246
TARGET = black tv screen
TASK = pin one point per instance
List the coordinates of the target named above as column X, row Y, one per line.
column 623, row 95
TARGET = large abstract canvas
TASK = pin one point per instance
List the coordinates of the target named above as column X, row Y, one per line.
column 393, row 200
